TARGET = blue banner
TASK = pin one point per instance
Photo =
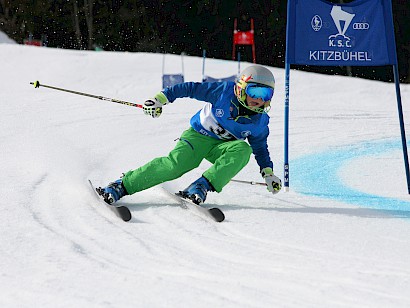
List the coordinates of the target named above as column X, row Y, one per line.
column 359, row 33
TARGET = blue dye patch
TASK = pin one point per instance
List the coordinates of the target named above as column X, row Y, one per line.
column 318, row 175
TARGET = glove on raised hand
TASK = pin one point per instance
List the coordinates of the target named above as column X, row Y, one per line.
column 272, row 181
column 153, row 106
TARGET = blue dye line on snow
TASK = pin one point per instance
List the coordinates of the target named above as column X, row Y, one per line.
column 318, row 175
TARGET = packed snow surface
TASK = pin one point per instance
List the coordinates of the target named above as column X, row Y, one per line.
column 4, row 39
column 338, row 238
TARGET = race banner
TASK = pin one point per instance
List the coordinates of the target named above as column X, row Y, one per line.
column 359, row 33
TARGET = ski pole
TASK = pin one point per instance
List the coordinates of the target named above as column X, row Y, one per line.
column 249, row 182
column 37, row 85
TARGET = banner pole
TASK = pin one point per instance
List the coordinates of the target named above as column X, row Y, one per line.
column 402, row 129
column 203, row 65
column 286, row 130
column 286, row 107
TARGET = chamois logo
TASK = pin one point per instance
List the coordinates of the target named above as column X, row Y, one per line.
column 316, row 23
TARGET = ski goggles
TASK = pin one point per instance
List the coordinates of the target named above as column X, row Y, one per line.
column 257, row 91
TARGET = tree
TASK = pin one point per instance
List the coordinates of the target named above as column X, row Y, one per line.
column 88, row 10
column 10, row 20
column 76, row 24
column 177, row 26
column 401, row 12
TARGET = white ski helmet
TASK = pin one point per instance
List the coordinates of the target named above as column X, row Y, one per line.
column 259, row 75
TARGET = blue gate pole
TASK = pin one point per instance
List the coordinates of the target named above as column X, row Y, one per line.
column 239, row 63
column 402, row 129
column 203, row 65
column 286, row 130
column 286, row 120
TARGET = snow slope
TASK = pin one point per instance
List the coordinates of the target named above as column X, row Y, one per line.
column 4, row 39
column 339, row 238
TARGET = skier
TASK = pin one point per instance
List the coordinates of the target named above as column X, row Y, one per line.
column 234, row 111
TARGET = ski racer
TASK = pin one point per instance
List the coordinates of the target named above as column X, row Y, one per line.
column 234, row 111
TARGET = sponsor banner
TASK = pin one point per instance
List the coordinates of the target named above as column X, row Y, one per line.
column 359, row 33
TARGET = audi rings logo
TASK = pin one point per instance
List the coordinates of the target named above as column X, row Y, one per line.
column 361, row 26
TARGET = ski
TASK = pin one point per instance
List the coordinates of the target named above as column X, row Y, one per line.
column 121, row 211
column 214, row 213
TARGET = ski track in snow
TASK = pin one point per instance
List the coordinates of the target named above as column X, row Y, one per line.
column 315, row 246
column 308, row 181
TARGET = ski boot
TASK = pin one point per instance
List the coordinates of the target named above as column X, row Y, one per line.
column 113, row 192
column 197, row 191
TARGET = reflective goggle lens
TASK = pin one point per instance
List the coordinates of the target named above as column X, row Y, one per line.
column 257, row 91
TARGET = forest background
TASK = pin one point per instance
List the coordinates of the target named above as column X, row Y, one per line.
column 185, row 26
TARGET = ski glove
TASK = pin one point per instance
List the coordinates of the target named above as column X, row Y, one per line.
column 153, row 106
column 272, row 181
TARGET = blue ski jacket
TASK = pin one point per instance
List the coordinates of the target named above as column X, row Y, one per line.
column 220, row 119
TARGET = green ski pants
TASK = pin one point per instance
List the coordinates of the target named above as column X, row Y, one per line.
column 227, row 157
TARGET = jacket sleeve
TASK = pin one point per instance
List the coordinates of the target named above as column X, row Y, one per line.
column 202, row 91
column 259, row 145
